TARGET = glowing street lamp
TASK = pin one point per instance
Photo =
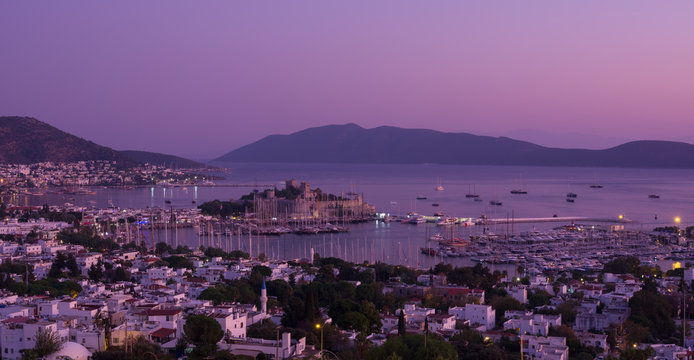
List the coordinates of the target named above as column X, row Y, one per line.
column 318, row 326
column 677, row 220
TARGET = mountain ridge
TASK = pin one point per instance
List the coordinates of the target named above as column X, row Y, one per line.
column 160, row 159
column 26, row 140
column 351, row 143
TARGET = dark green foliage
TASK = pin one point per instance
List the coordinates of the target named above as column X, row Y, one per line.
column 225, row 208
column 47, row 342
column 263, row 330
column 71, row 264
column 348, row 314
column 204, row 332
column 622, row 265
column 470, row 345
column 539, row 298
column 503, row 304
column 402, row 327
column 667, row 229
column 235, row 290
column 139, row 348
column 264, row 271
column 121, row 275
column 96, row 271
column 637, row 354
column 575, row 346
column 217, row 252
column 88, row 238
column 478, row 276
column 675, row 273
column 654, row 311
column 178, row 262
column 412, row 347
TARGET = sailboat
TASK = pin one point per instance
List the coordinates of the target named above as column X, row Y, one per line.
column 596, row 184
column 439, row 187
column 472, row 194
column 519, row 191
column 570, row 195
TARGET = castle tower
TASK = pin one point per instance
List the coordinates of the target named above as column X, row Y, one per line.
column 263, row 299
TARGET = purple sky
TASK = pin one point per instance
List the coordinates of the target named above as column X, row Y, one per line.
column 201, row 78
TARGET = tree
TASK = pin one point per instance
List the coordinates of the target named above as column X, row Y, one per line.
column 503, row 304
column 622, row 265
column 47, row 342
column 96, row 271
column 204, row 332
column 539, row 298
column 652, row 310
column 59, row 263
column 402, row 329
column 412, row 347
column 71, row 265
column 121, row 275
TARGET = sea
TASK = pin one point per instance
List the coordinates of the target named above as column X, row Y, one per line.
column 394, row 189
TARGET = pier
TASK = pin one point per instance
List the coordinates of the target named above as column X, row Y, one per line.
column 553, row 219
column 515, row 220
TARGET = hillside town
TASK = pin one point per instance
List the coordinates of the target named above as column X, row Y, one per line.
column 69, row 290
column 32, row 178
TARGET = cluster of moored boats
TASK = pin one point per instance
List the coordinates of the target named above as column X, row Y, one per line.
column 576, row 248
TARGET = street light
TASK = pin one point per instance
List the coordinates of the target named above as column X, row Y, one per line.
column 318, row 326
column 677, row 220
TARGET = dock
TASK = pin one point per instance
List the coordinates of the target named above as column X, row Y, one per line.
column 554, row 219
column 510, row 220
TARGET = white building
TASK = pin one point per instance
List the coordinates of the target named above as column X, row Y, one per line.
column 547, row 348
column 285, row 348
column 441, row 322
column 477, row 315
column 534, row 324
column 19, row 333
column 233, row 321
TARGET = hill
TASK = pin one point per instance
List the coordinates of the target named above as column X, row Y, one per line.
column 386, row 144
column 163, row 159
column 26, row 140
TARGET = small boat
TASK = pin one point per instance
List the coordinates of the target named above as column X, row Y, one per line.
column 435, row 204
column 417, row 220
column 438, row 213
column 519, row 191
column 478, row 199
column 447, row 221
column 439, row 186
column 495, row 203
column 167, row 201
column 569, row 200
column 596, row 186
column 428, row 251
column 194, row 202
column 421, row 197
column 471, row 194
column 571, row 195
column 654, row 196
column 437, row 237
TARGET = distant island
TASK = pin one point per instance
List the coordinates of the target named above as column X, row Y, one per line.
column 352, row 143
column 25, row 140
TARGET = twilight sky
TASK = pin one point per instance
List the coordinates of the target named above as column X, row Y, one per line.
column 201, row 78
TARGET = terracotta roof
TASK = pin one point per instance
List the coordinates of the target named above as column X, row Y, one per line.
column 16, row 320
column 162, row 333
column 162, row 312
